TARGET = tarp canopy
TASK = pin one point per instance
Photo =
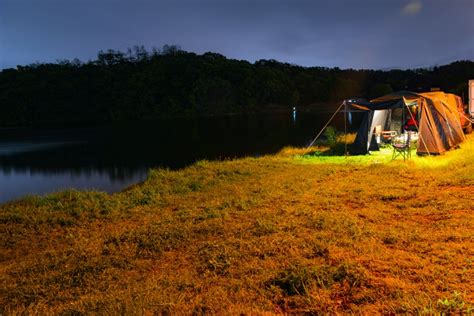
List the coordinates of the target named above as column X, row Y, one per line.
column 438, row 116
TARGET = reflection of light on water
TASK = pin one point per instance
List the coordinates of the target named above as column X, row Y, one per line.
column 294, row 115
column 16, row 148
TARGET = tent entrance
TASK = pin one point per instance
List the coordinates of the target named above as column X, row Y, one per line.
column 380, row 125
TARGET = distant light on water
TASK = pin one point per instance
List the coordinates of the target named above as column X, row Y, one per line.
column 294, row 114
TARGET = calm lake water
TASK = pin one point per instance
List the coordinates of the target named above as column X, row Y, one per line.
column 110, row 158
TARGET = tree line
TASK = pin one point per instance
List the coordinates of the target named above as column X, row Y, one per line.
column 140, row 84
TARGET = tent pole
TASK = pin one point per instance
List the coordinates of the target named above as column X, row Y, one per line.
column 368, row 130
column 468, row 118
column 321, row 131
column 416, row 124
column 345, row 128
column 446, row 118
column 459, row 122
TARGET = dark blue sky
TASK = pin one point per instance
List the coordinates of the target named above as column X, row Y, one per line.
column 344, row 33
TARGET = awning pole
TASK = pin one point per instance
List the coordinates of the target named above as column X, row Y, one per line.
column 320, row 132
column 345, row 128
column 416, row 123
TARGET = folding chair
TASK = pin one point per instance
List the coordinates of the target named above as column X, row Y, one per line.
column 402, row 149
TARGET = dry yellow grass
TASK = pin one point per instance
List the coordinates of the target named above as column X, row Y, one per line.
column 276, row 234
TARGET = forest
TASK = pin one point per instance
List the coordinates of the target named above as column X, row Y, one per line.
column 170, row 82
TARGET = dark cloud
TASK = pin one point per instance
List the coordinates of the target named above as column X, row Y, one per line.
column 344, row 33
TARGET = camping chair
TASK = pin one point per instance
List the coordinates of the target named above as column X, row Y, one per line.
column 402, row 149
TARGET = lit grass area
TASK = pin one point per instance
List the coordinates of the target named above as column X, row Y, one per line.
column 323, row 154
column 384, row 155
column 285, row 233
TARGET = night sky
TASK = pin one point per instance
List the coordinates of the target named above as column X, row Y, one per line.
column 377, row 34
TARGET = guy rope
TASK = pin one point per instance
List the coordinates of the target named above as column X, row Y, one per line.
column 322, row 130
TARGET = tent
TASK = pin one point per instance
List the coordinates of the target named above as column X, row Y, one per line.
column 439, row 121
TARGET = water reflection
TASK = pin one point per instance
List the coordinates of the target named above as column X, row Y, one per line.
column 110, row 158
column 16, row 183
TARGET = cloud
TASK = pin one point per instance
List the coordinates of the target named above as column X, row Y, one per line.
column 412, row 8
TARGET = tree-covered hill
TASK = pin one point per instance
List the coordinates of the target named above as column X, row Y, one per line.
column 140, row 84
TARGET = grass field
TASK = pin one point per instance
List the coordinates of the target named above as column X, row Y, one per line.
column 294, row 232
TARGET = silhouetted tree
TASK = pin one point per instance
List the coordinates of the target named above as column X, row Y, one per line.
column 171, row 82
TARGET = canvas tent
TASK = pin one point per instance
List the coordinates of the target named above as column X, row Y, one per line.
column 437, row 115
